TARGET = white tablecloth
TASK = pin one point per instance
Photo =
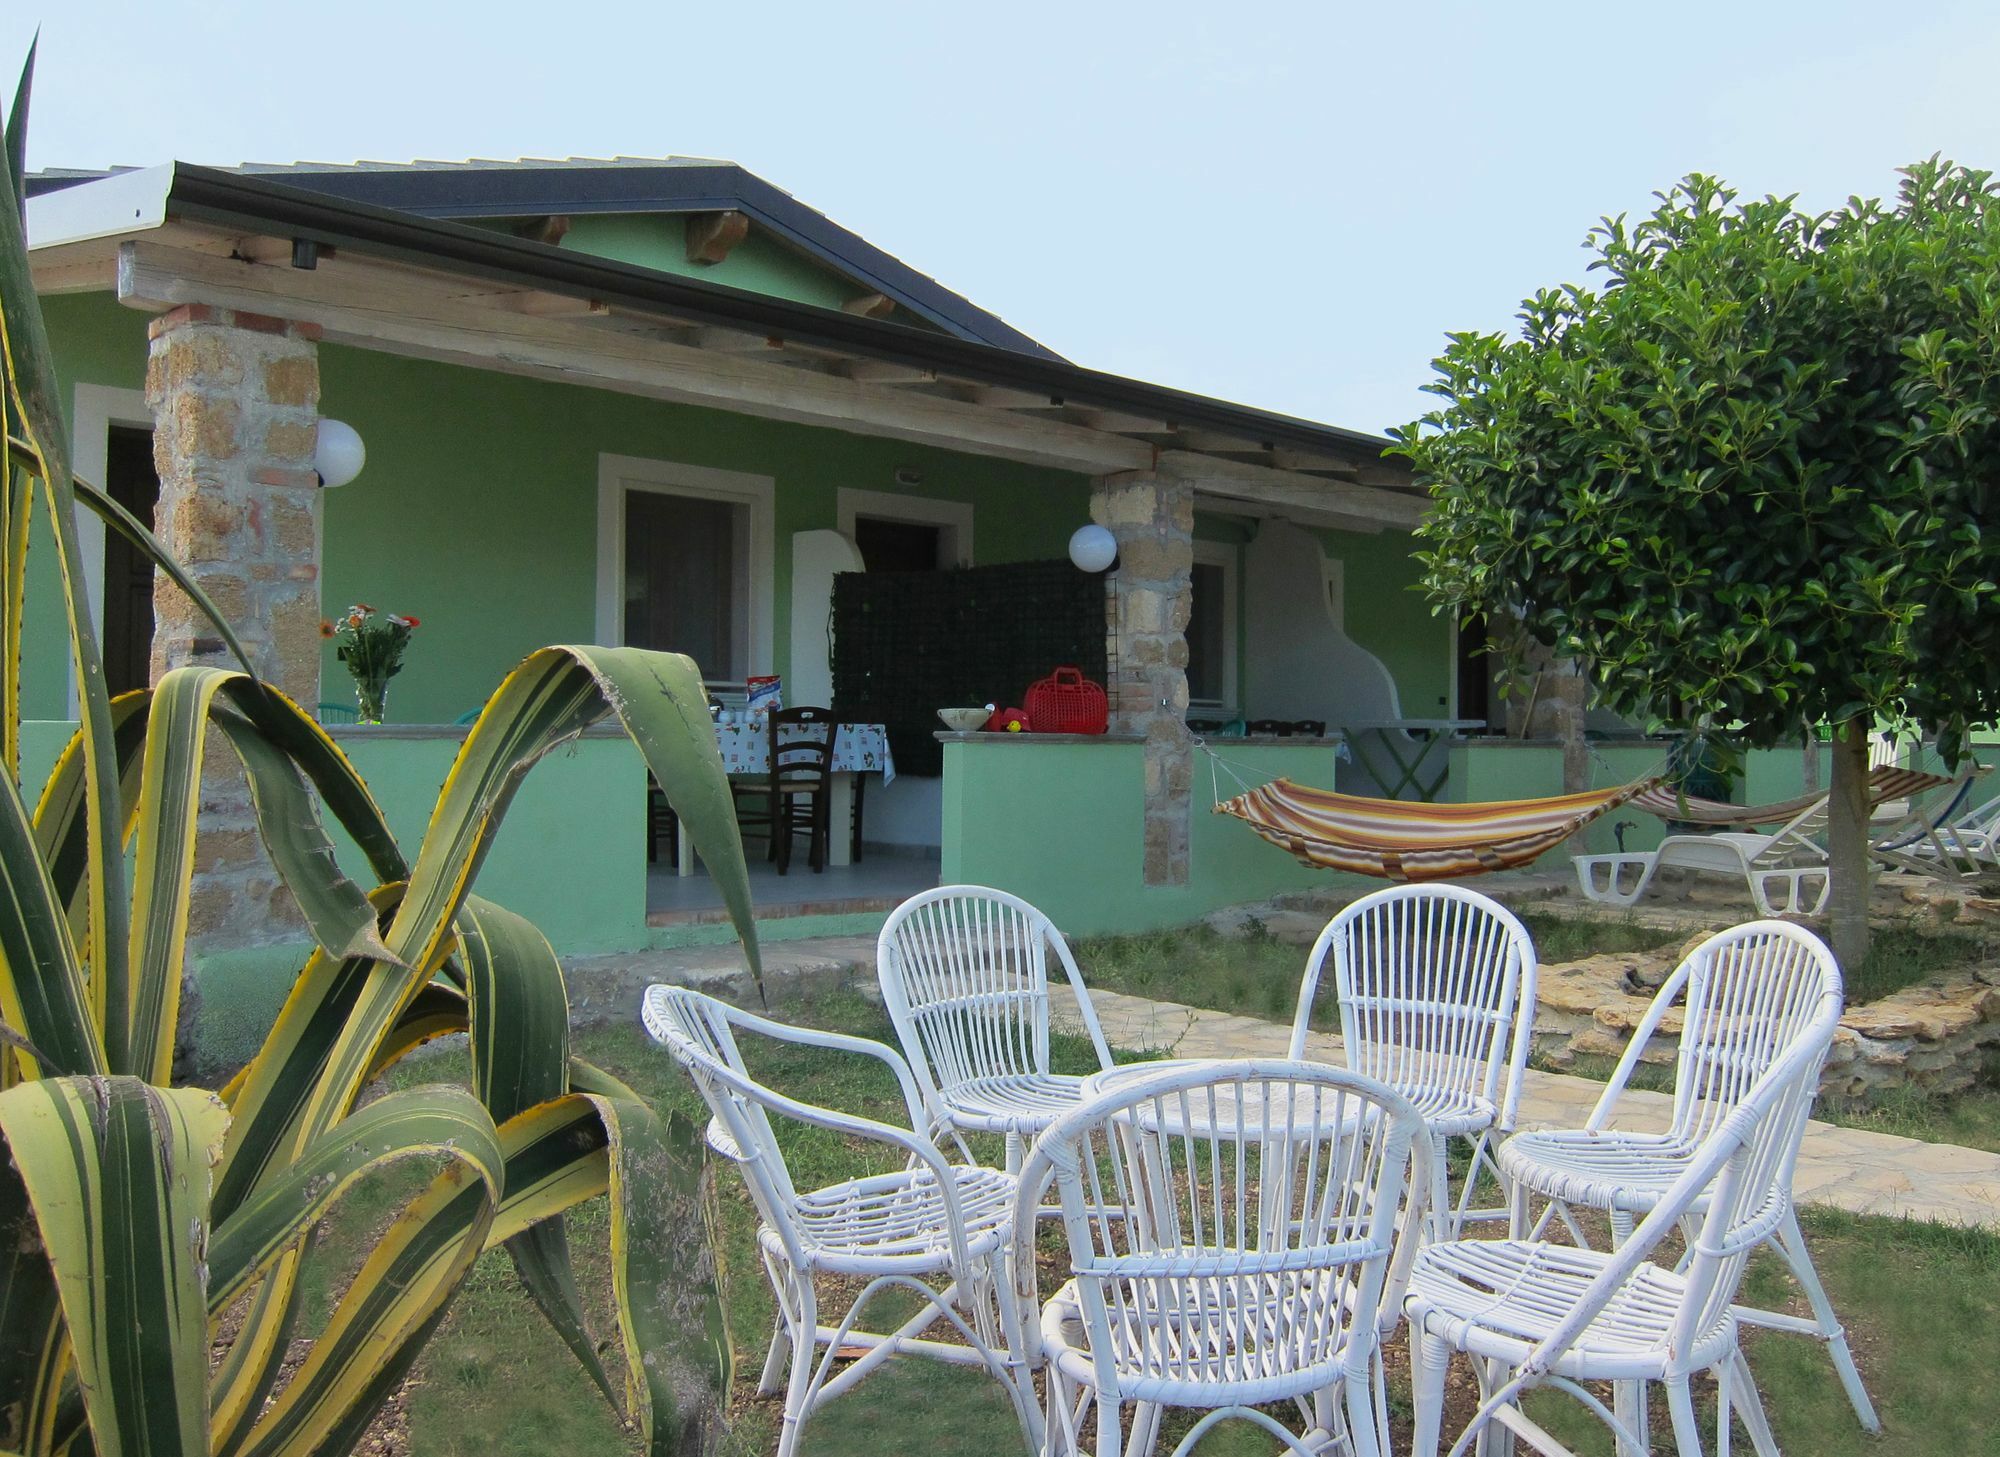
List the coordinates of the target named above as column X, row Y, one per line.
column 858, row 748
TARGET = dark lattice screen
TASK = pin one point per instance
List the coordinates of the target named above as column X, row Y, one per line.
column 906, row 644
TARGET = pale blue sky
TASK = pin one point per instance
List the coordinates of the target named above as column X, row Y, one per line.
column 1286, row 205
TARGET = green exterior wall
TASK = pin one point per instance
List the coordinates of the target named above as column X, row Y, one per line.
column 1061, row 824
column 478, row 508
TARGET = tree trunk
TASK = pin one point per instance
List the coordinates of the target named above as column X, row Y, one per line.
column 1847, row 843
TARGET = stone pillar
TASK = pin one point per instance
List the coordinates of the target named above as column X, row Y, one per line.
column 1146, row 615
column 235, row 400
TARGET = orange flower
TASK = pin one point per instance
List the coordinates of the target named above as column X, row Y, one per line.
column 325, row 628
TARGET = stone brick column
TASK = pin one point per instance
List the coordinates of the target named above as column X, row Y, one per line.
column 235, row 401
column 1146, row 615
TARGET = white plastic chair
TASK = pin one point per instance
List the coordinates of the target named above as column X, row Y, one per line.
column 1436, row 986
column 905, row 1230
column 964, row 972
column 1745, row 997
column 1531, row 1313
column 1231, row 1227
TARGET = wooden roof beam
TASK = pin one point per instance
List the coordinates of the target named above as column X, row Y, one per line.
column 712, row 235
column 398, row 309
column 999, row 397
column 545, row 305
column 1241, row 481
column 887, row 371
column 870, row 306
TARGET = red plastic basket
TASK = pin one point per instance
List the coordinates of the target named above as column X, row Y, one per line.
column 1066, row 702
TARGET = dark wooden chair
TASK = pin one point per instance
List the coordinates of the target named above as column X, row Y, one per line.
column 797, row 792
column 1276, row 727
column 663, row 826
column 1312, row 728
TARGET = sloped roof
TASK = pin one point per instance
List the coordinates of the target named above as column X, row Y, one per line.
column 536, row 187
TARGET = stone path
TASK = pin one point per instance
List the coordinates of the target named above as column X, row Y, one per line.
column 1845, row 1168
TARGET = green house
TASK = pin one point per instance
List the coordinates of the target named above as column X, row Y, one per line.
column 663, row 401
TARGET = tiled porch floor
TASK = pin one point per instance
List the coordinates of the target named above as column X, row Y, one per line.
column 880, row 882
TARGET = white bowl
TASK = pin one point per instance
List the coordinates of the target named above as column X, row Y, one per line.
column 965, row 720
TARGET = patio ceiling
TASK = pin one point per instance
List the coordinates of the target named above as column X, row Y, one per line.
column 430, row 289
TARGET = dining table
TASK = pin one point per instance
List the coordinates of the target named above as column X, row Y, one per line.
column 858, row 748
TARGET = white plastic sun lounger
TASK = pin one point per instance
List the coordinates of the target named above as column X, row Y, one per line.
column 1786, row 870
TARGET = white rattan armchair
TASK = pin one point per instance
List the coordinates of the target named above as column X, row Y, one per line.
column 1531, row 1313
column 965, row 977
column 1436, row 987
column 1743, row 997
column 931, row 1221
column 1233, row 1233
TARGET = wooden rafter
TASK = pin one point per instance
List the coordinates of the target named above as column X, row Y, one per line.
column 871, row 306
column 551, row 229
column 711, row 235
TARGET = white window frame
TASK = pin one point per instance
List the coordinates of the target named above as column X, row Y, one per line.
column 96, row 409
column 1224, row 555
column 954, row 517
column 617, row 474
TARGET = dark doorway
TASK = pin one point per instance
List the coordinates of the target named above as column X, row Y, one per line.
column 128, row 576
column 898, row 546
column 1475, row 670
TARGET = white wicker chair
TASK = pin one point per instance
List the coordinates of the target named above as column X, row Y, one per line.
column 965, row 977
column 1231, row 1227
column 1532, row 1313
column 1436, row 986
column 904, row 1230
column 1743, row 997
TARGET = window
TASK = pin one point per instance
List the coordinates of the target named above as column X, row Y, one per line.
column 684, row 559
column 1211, row 629
column 899, row 546
column 687, row 572
column 899, row 533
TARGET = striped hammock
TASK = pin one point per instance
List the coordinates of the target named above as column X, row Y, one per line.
column 1395, row 839
column 1885, row 782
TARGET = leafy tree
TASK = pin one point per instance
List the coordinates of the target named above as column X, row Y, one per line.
column 1748, row 478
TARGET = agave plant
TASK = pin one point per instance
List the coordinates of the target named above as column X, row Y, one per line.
column 134, row 1215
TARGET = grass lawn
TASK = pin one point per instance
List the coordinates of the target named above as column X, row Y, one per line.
column 1924, row 1304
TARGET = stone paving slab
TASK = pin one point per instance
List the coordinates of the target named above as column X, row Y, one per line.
column 1854, row 1169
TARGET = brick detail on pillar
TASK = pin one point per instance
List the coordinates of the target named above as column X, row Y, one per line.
column 1146, row 616
column 235, row 401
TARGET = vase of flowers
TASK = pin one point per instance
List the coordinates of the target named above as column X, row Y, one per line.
column 371, row 644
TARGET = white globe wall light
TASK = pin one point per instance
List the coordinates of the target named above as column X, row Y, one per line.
column 1093, row 548
column 338, row 454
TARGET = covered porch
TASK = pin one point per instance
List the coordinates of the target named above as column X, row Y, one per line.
column 521, row 404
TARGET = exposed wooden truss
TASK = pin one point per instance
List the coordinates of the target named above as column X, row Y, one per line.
column 711, row 235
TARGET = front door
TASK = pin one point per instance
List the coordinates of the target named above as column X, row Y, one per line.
column 128, row 576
